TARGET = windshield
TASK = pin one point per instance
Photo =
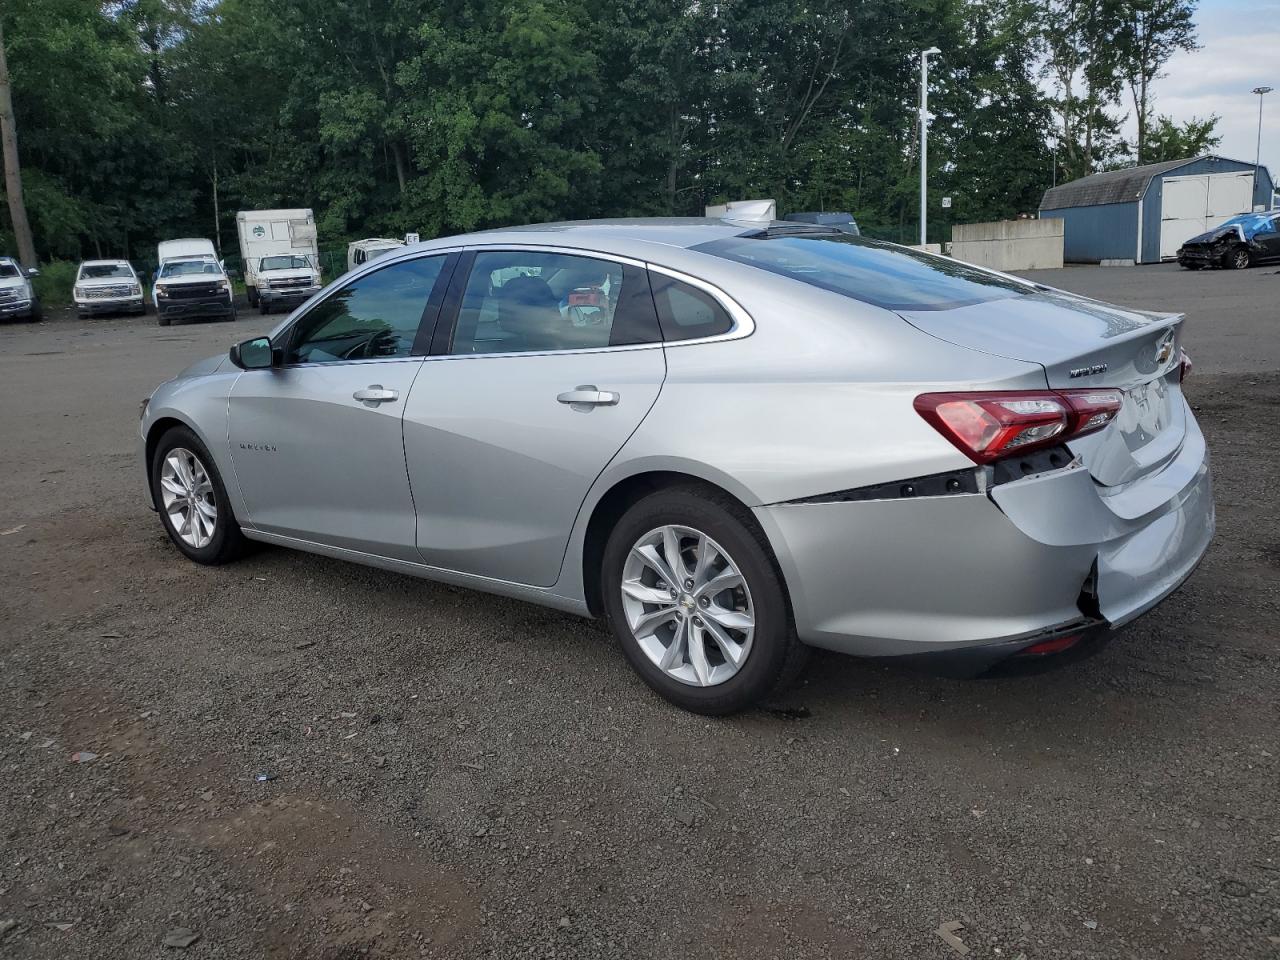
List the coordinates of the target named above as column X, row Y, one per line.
column 881, row 274
column 188, row 268
column 99, row 271
column 8, row 270
column 285, row 262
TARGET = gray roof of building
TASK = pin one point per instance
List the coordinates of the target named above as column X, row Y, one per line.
column 1111, row 186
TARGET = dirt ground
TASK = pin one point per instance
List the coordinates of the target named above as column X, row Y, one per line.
column 457, row 776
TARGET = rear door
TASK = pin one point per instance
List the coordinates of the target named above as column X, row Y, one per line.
column 551, row 361
column 317, row 443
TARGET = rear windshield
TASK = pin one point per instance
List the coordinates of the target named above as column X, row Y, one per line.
column 878, row 273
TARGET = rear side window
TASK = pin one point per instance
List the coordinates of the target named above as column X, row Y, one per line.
column 882, row 274
column 528, row 301
column 685, row 312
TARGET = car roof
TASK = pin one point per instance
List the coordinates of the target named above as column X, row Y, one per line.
column 636, row 236
column 103, row 263
column 672, row 242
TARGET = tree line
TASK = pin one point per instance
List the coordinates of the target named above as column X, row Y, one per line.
column 138, row 120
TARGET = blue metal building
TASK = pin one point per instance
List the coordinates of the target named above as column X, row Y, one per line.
column 1145, row 213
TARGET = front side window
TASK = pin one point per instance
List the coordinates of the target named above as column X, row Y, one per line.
column 9, row 270
column 103, row 271
column 871, row 271
column 528, row 301
column 374, row 316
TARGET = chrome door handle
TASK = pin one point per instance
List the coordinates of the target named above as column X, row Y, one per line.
column 589, row 395
column 375, row 394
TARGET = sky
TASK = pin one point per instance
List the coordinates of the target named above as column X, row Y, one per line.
column 1239, row 50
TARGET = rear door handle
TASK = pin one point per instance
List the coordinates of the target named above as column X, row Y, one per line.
column 374, row 394
column 589, row 395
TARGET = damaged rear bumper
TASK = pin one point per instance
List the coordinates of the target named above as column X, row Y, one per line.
column 962, row 582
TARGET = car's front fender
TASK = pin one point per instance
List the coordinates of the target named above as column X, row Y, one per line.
column 198, row 401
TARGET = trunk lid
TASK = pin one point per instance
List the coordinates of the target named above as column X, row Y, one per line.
column 1082, row 343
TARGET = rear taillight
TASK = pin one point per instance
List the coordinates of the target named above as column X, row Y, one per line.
column 988, row 426
column 1184, row 366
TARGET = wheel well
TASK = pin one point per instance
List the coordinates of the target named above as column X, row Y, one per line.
column 157, row 431
column 609, row 510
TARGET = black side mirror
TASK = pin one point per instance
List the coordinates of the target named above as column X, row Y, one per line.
column 232, row 274
column 255, row 354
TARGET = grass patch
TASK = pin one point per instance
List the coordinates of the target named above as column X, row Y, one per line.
column 56, row 280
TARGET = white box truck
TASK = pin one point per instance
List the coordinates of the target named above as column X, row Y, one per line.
column 281, row 256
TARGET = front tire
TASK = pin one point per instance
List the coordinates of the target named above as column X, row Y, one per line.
column 1237, row 259
column 192, row 501
column 697, row 602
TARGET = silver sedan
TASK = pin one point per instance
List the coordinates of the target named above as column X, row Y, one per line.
column 732, row 441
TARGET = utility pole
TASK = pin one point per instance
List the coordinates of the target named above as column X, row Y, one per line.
column 12, row 173
column 924, row 139
column 1257, row 157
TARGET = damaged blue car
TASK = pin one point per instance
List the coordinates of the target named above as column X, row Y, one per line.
column 1244, row 240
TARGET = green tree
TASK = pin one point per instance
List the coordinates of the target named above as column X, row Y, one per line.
column 1082, row 60
column 1151, row 32
column 1167, row 140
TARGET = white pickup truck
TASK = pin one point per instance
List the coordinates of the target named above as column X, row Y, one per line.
column 190, row 282
column 107, row 286
column 281, row 256
column 17, row 298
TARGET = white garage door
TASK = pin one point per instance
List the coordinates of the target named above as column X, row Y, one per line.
column 1192, row 205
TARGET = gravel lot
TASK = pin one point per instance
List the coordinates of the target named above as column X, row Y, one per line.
column 463, row 776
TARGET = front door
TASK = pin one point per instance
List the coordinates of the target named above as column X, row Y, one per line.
column 551, row 364
column 1269, row 238
column 317, row 443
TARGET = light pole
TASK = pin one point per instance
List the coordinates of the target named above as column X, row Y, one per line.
column 1257, row 157
column 924, row 136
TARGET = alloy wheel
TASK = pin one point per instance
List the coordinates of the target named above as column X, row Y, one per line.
column 187, row 495
column 688, row 605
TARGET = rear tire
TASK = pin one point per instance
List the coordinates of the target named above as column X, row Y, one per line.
column 224, row 541
column 1237, row 259
column 705, row 626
